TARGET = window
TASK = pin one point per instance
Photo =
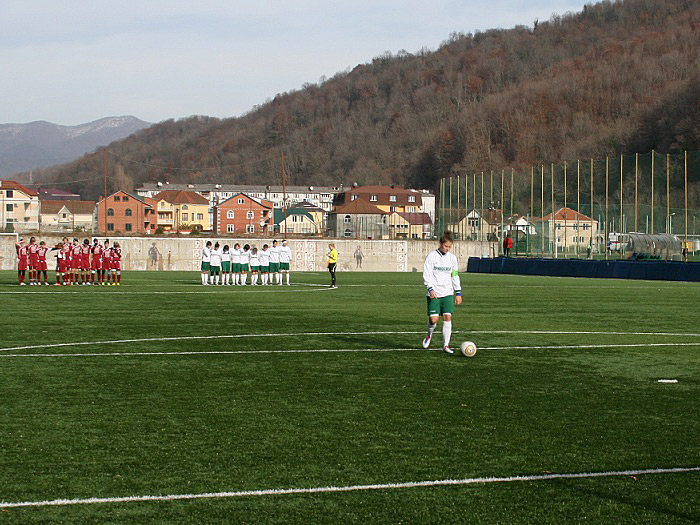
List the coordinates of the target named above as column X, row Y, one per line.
column 184, row 206
column 127, row 212
column 230, row 228
column 411, row 209
column 9, row 194
column 64, row 215
column 230, row 214
column 586, row 226
column 110, row 212
column 200, row 216
column 412, row 198
column 117, row 198
column 127, row 226
column 125, row 199
column 353, row 197
column 347, row 219
column 392, row 198
column 372, row 198
column 290, row 229
column 185, row 216
column 296, row 218
column 250, row 228
column 348, row 232
column 241, row 201
column 110, row 227
column 250, row 215
column 8, row 207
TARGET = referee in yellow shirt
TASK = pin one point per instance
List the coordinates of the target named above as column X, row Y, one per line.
column 332, row 262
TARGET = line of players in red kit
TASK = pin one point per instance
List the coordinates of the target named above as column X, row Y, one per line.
column 76, row 264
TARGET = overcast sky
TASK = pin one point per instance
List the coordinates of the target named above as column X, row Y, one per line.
column 71, row 62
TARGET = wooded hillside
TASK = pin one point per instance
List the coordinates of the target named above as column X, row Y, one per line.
column 618, row 77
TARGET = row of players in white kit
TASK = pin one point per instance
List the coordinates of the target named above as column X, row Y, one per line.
column 226, row 267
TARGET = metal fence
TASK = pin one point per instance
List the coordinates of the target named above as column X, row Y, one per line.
column 579, row 208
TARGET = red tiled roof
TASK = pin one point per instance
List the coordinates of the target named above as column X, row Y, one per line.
column 12, row 185
column 180, row 197
column 415, row 218
column 359, row 206
column 567, row 214
column 51, row 207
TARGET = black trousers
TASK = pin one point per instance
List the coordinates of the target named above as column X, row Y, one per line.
column 331, row 270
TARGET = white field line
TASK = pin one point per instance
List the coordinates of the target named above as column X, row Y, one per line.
column 315, row 334
column 338, row 350
column 348, row 488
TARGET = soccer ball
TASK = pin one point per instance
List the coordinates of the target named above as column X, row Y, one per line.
column 468, row 349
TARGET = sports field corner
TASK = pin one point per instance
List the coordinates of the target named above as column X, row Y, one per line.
column 164, row 400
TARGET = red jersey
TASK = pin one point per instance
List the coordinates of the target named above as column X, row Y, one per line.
column 107, row 258
column 32, row 249
column 116, row 258
column 97, row 250
column 22, row 254
column 76, row 259
column 41, row 258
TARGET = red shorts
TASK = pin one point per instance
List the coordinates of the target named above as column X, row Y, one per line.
column 42, row 266
column 76, row 263
column 85, row 263
column 97, row 264
column 117, row 265
column 22, row 265
column 33, row 262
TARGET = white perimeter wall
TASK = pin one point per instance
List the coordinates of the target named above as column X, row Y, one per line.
column 307, row 255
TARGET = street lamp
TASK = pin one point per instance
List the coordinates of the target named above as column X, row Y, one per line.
column 670, row 223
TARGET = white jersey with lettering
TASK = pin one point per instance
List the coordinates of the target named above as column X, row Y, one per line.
column 441, row 274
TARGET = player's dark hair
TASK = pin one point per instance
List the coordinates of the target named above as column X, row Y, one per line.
column 446, row 236
column 246, row 247
column 216, row 245
column 265, row 246
column 86, row 241
column 237, row 245
column 225, row 247
column 208, row 243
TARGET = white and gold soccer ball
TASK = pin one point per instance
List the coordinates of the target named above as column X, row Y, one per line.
column 468, row 349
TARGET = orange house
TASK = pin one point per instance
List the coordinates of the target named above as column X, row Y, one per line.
column 124, row 213
column 243, row 214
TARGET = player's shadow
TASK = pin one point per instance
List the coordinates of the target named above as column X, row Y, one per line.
column 626, row 500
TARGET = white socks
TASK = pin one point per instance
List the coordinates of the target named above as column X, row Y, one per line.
column 287, row 277
column 446, row 332
column 204, row 278
column 431, row 328
column 243, row 278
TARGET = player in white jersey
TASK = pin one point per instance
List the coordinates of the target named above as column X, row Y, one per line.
column 443, row 288
column 236, row 263
column 226, row 266
column 285, row 260
column 254, row 265
column 245, row 263
column 275, row 275
column 215, row 264
column 264, row 261
column 206, row 263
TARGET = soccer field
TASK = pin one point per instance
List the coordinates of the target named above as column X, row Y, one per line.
column 166, row 401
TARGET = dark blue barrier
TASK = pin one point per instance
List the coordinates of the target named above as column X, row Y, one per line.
column 656, row 270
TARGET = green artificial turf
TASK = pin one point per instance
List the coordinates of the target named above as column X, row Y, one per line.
column 185, row 389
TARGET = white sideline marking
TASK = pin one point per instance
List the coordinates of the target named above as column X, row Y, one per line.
column 311, row 334
column 347, row 488
column 341, row 350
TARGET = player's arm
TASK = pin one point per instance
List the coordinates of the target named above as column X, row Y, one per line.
column 456, row 283
column 429, row 278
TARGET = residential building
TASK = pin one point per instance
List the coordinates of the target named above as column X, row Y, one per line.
column 243, row 214
column 386, row 198
column 67, row 216
column 478, row 225
column 20, row 207
column 179, row 210
column 568, row 228
column 295, row 221
column 124, row 213
column 359, row 219
column 519, row 225
column 404, row 225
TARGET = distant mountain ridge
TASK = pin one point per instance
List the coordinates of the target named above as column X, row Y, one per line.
column 41, row 144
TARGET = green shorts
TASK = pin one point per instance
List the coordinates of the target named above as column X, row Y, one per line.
column 265, row 269
column 225, row 266
column 254, row 268
column 284, row 267
column 205, row 266
column 214, row 270
column 245, row 267
column 236, row 267
column 441, row 305
column 274, row 267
